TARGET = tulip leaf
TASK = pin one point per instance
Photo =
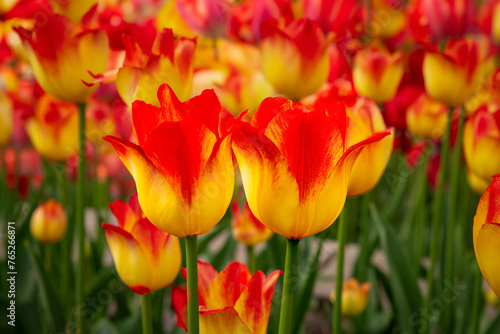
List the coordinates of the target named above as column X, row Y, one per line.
column 403, row 282
column 494, row 326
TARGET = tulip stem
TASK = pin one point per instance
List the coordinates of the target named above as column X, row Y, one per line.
column 251, row 259
column 79, row 214
column 437, row 211
column 289, row 286
column 337, row 308
column 452, row 216
column 192, row 284
column 476, row 297
column 147, row 315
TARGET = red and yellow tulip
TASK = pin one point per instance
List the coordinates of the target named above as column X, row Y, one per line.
column 232, row 301
column 247, row 228
column 146, row 258
column 481, row 146
column 354, row 297
column 486, row 234
column 61, row 54
column 377, row 73
column 6, row 118
column 427, row 118
column 207, row 17
column 294, row 57
column 72, row 9
column 49, row 222
column 295, row 164
column 182, row 164
column 53, row 129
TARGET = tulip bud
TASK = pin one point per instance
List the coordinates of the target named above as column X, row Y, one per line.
column 247, row 228
column 49, row 222
column 427, row 118
column 376, row 73
column 354, row 297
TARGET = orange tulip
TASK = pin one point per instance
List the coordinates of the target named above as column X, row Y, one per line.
column 146, row 258
column 295, row 164
column 247, row 228
column 486, row 235
column 49, row 222
column 232, row 301
column 182, row 165
column 53, row 129
column 481, row 146
column 61, row 54
column 454, row 75
column 427, row 118
column 376, row 73
column 6, row 118
column 365, row 119
column 354, row 297
column 294, row 57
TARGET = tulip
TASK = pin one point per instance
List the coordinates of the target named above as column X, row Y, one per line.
column 488, row 93
column 146, row 258
column 486, row 234
column 207, row 17
column 6, row 119
column 389, row 18
column 72, row 9
column 376, row 73
column 365, row 119
column 427, row 118
column 61, row 54
column 53, row 129
column 294, row 191
column 294, row 57
column 453, row 76
column 489, row 19
column 49, row 222
column 232, row 301
column 481, row 143
column 354, row 297
column 143, row 72
column 247, row 228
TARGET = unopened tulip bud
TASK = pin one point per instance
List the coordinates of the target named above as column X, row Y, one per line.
column 354, row 297
column 49, row 222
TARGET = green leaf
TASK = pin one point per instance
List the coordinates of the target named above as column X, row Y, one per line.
column 104, row 326
column 494, row 327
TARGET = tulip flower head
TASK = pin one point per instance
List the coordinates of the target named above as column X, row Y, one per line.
column 49, row 222
column 294, row 57
column 182, row 164
column 481, row 146
column 232, row 301
column 486, row 234
column 146, row 258
column 295, row 164
column 489, row 19
column 61, row 54
column 207, row 17
column 376, row 73
column 453, row 76
column 72, row 9
column 247, row 228
column 53, row 129
column 427, row 118
column 354, row 297
column 389, row 18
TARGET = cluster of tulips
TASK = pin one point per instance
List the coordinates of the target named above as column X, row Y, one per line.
column 275, row 117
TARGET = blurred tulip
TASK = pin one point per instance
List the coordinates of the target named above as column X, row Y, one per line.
column 61, row 55
column 396, row 109
column 49, row 222
column 146, row 258
column 53, row 129
column 169, row 18
column 294, row 191
column 294, row 57
column 185, row 187
column 427, row 118
column 247, row 228
column 388, row 17
column 486, row 234
column 100, row 120
column 376, row 73
column 489, row 19
column 365, row 119
column 481, row 146
column 488, row 93
column 354, row 297
column 454, row 75
column 232, row 301
column 207, row 17
column 169, row 61
column 72, row 9
column 6, row 119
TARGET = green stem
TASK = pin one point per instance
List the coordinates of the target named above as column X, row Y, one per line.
column 337, row 308
column 79, row 215
column 421, row 213
column 289, row 286
column 437, row 211
column 251, row 259
column 364, row 240
column 192, row 284
column 476, row 300
column 147, row 315
column 452, row 218
column 47, row 256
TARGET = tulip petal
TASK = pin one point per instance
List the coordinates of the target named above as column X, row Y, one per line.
column 206, row 274
column 487, row 250
column 225, row 321
column 227, row 287
column 179, row 303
